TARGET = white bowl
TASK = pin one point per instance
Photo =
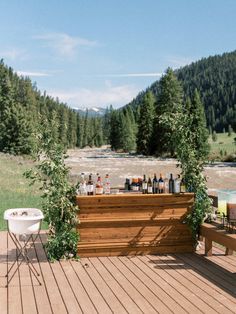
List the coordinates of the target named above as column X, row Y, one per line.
column 23, row 220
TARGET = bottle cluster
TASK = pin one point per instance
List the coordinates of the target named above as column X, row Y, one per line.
column 154, row 185
column 88, row 187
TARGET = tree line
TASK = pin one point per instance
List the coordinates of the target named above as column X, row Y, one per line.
column 148, row 128
column 143, row 126
column 23, row 107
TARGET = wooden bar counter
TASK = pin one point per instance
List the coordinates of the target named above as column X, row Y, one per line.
column 134, row 224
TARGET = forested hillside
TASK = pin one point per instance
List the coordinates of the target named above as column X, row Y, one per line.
column 23, row 107
column 140, row 126
column 215, row 79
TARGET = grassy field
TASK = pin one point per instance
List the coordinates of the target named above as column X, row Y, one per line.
column 14, row 188
column 223, row 146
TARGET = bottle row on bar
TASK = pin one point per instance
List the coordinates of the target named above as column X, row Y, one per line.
column 90, row 188
column 155, row 185
column 169, row 184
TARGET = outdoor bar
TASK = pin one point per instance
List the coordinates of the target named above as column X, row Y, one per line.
column 134, row 224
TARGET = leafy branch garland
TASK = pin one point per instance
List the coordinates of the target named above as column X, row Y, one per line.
column 59, row 196
column 192, row 164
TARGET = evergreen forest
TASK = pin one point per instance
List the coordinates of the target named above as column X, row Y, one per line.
column 23, row 108
column 215, row 79
column 204, row 90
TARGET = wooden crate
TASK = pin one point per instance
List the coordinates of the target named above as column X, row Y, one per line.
column 134, row 224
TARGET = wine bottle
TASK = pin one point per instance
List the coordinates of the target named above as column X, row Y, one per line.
column 149, row 186
column 171, row 184
column 161, row 184
column 127, row 184
column 144, row 185
column 99, row 186
column 90, row 188
column 82, row 185
column 155, row 184
column 107, row 185
column 177, row 184
column 166, row 183
column 182, row 186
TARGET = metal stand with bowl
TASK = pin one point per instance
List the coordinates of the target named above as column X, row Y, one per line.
column 24, row 226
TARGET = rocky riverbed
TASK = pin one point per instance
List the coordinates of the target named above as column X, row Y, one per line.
column 121, row 166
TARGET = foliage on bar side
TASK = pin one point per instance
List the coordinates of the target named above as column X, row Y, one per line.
column 59, row 202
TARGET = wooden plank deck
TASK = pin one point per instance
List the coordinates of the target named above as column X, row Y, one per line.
column 169, row 283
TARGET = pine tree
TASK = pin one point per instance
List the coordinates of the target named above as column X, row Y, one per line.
column 145, row 124
column 15, row 135
column 98, row 132
column 198, row 133
column 72, row 129
column 127, row 133
column 85, row 132
column 107, row 125
column 63, row 125
column 15, row 124
column 79, row 131
column 169, row 106
column 116, row 130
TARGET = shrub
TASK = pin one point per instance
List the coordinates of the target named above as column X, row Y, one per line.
column 59, row 196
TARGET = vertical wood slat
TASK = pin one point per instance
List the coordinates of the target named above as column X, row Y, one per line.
column 131, row 224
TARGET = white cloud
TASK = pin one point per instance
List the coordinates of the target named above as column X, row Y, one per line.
column 64, row 44
column 133, row 75
column 177, row 62
column 115, row 95
column 13, row 54
column 32, row 73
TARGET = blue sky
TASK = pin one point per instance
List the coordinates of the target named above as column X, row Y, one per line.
column 95, row 53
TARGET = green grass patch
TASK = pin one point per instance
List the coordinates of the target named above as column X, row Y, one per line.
column 223, row 146
column 15, row 191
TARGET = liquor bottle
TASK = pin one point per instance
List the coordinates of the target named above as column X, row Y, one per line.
column 127, row 184
column 99, row 186
column 171, row 184
column 155, row 184
column 132, row 186
column 144, row 185
column 136, row 184
column 90, row 188
column 82, row 186
column 182, row 186
column 149, row 186
column 140, row 182
column 166, row 183
column 107, row 185
column 161, row 185
column 177, row 184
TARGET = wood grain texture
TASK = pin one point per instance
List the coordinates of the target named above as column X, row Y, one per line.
column 212, row 232
column 170, row 283
column 134, row 224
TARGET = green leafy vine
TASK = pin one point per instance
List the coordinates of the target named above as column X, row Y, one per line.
column 192, row 151
column 59, row 196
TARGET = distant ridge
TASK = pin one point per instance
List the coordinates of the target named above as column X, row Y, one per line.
column 215, row 79
column 92, row 112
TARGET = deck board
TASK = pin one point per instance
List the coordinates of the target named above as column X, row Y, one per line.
column 168, row 283
column 3, row 270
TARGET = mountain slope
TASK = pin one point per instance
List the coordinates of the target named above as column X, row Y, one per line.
column 215, row 79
